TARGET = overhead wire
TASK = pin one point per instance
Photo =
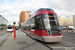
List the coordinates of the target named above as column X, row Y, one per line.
column 7, row 9
column 5, row 6
column 32, row 6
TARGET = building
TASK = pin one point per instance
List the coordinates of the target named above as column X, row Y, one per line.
column 24, row 15
column 65, row 21
column 3, row 22
column 73, row 20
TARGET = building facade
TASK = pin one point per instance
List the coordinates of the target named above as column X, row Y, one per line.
column 65, row 21
column 3, row 22
column 73, row 20
column 24, row 15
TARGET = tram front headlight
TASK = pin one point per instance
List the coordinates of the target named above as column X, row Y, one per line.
column 48, row 32
column 59, row 31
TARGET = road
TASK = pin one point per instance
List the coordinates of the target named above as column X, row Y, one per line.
column 68, row 42
column 3, row 36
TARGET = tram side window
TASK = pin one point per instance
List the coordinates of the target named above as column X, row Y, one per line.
column 28, row 24
column 37, row 22
column 32, row 23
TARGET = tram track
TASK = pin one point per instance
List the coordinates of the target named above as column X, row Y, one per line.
column 2, row 34
column 40, row 42
column 43, row 43
column 46, row 44
column 63, row 46
column 2, row 42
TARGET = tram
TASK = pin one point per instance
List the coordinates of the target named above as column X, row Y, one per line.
column 43, row 25
column 9, row 28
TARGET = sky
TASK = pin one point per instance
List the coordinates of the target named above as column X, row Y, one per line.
column 11, row 9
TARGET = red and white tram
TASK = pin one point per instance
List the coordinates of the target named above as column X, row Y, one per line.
column 44, row 26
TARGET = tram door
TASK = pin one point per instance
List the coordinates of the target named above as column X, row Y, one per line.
column 37, row 25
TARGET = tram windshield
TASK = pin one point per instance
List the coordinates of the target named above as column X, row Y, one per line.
column 9, row 27
column 50, row 21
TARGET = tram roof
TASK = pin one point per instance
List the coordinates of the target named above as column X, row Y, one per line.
column 43, row 11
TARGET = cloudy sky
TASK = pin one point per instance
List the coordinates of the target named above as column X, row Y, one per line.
column 10, row 9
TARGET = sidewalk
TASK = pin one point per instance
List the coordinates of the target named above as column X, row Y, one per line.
column 22, row 42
